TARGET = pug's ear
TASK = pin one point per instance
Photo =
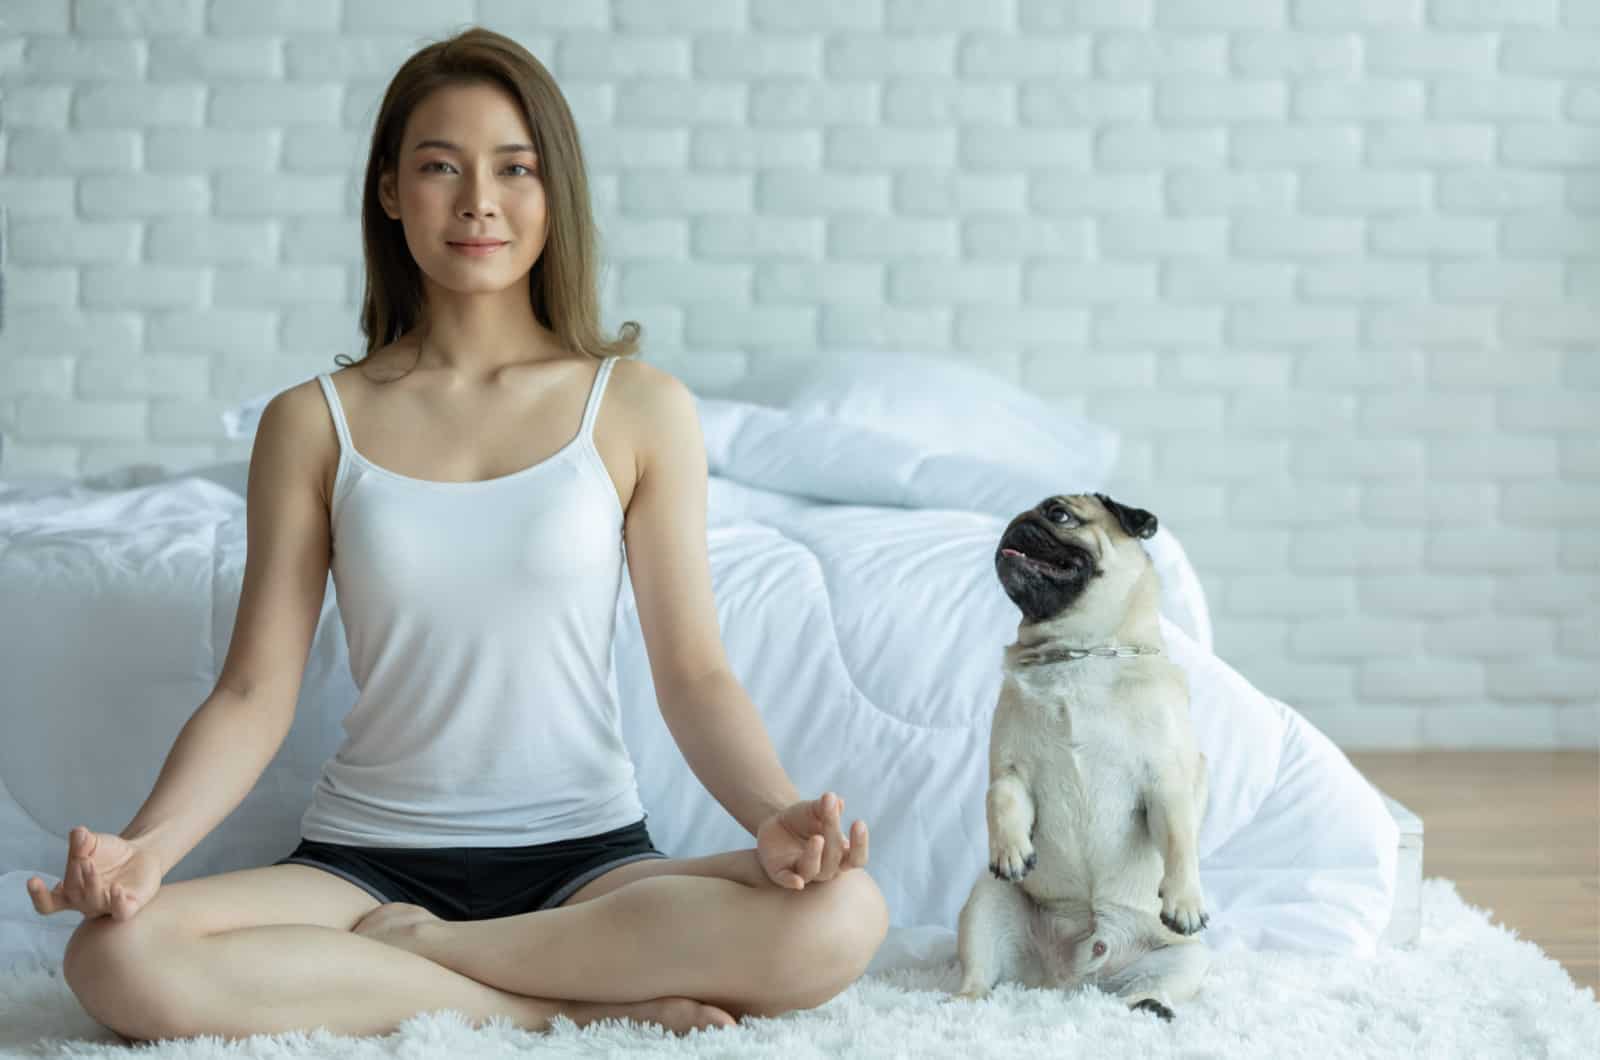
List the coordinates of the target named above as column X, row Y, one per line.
column 1135, row 522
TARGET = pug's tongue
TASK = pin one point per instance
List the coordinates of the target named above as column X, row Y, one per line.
column 1035, row 560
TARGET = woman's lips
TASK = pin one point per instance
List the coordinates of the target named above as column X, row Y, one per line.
column 475, row 250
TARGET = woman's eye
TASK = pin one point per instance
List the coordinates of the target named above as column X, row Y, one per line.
column 515, row 165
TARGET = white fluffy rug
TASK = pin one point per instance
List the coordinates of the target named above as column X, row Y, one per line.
column 1468, row 989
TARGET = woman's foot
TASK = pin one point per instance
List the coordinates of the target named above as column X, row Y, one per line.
column 680, row 1015
column 402, row 924
column 396, row 924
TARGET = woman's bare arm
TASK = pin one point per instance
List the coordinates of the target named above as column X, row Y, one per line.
column 230, row 739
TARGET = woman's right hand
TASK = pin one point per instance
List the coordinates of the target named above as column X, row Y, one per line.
column 106, row 875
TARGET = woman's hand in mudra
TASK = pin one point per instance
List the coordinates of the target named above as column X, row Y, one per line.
column 106, row 875
column 803, row 844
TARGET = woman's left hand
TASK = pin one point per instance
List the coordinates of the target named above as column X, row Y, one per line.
column 803, row 844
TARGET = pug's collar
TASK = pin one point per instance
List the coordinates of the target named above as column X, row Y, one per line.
column 1039, row 656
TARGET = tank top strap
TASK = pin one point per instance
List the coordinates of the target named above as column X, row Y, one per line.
column 339, row 424
column 591, row 410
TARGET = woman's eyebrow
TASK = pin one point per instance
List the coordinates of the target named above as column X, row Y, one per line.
column 447, row 145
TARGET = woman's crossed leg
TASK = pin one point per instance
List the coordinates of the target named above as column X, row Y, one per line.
column 715, row 928
column 266, row 950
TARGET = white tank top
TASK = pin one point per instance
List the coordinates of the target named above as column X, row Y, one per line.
column 479, row 618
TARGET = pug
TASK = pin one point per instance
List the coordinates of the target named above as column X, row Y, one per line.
column 1096, row 789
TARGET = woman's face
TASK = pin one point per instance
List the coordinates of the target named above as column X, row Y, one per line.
column 467, row 170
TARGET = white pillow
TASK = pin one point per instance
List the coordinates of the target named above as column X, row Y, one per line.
column 954, row 408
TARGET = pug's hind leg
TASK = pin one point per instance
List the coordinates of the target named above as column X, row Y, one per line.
column 994, row 940
column 1161, row 977
column 1010, row 813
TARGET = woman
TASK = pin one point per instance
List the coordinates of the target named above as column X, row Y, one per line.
column 477, row 843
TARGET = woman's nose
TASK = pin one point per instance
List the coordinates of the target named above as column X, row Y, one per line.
column 475, row 199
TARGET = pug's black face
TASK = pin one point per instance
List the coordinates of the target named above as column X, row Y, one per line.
column 1047, row 557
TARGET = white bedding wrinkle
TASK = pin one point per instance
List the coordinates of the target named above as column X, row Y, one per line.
column 860, row 611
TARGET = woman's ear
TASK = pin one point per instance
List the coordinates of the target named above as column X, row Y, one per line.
column 387, row 197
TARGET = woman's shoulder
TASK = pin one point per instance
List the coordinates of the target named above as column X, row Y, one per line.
column 295, row 428
column 646, row 388
column 659, row 410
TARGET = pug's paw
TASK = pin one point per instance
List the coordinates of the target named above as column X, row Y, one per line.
column 1012, row 861
column 1150, row 1004
column 1182, row 907
column 969, row 991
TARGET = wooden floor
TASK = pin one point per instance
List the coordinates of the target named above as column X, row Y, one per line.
column 1518, row 832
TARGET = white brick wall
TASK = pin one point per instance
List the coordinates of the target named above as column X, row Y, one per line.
column 1330, row 265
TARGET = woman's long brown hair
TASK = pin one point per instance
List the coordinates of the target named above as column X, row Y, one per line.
column 563, row 285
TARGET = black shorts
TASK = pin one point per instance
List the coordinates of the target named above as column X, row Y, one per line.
column 479, row 883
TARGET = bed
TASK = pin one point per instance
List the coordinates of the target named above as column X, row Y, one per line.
column 851, row 546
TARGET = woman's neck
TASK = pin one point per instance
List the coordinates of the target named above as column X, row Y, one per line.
column 479, row 335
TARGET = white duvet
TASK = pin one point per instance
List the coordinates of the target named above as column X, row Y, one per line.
column 856, row 592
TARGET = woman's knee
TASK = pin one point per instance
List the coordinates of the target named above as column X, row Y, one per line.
column 96, row 945
column 860, row 917
column 842, row 924
column 118, row 972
